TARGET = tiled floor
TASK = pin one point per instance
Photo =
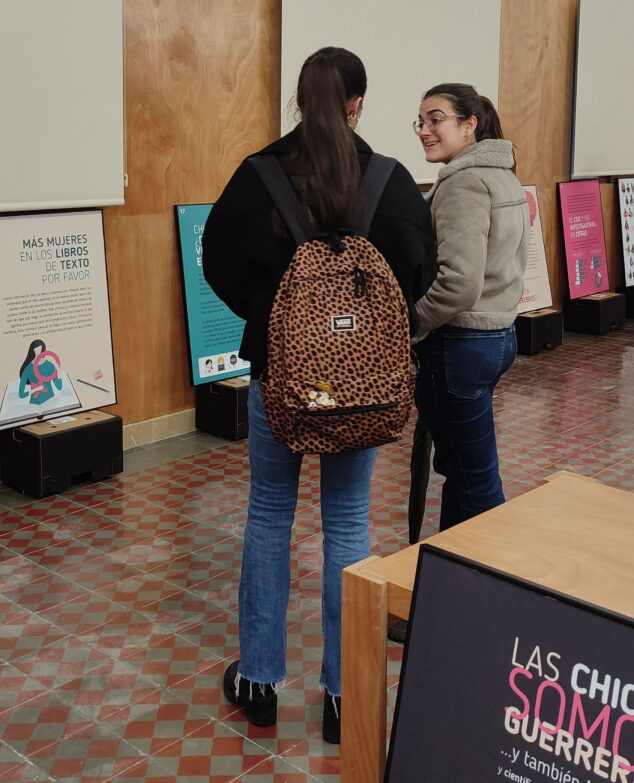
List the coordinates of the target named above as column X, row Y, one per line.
column 118, row 601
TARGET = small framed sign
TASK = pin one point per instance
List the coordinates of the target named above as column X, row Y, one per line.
column 214, row 331
column 626, row 205
column 584, row 240
column 536, row 283
column 55, row 339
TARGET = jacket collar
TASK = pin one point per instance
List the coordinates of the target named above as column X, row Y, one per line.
column 290, row 142
column 488, row 153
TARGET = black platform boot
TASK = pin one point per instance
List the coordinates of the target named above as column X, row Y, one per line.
column 258, row 700
column 331, row 730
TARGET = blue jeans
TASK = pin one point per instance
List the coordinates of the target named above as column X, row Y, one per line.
column 459, row 371
column 266, row 559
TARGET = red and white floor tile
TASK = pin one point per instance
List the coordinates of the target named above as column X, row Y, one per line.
column 118, row 601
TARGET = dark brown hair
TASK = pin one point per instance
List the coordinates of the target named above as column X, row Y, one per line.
column 30, row 354
column 466, row 102
column 328, row 80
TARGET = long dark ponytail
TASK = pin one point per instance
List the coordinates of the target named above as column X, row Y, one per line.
column 328, row 157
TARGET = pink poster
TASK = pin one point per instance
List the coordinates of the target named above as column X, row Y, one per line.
column 626, row 204
column 582, row 221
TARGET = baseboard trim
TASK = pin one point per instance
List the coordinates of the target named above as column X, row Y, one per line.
column 140, row 433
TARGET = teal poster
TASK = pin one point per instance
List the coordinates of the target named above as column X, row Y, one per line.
column 214, row 331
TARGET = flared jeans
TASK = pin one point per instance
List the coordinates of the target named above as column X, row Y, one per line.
column 266, row 559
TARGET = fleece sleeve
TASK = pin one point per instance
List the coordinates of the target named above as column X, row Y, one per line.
column 462, row 212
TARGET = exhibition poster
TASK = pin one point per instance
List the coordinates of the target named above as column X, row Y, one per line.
column 55, row 344
column 584, row 241
column 626, row 204
column 504, row 681
column 214, row 331
column 536, row 283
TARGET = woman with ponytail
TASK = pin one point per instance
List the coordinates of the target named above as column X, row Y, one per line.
column 246, row 250
column 466, row 337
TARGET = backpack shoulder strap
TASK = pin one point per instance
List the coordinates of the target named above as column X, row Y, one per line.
column 281, row 191
column 377, row 173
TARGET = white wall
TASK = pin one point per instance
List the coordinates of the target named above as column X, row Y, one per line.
column 603, row 129
column 407, row 46
column 61, row 86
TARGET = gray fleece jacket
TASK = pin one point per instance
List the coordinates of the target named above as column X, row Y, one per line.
column 480, row 216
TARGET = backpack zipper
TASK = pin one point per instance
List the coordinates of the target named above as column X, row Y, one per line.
column 359, row 282
column 382, row 406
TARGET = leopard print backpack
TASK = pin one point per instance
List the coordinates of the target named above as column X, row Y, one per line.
column 340, row 372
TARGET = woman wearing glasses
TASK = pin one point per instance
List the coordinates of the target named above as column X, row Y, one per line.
column 466, row 339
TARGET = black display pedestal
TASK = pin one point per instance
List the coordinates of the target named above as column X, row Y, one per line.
column 595, row 314
column 628, row 292
column 47, row 457
column 538, row 329
column 221, row 408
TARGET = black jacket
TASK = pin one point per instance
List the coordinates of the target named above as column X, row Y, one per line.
column 244, row 258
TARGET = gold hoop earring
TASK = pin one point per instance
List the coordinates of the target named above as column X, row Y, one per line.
column 353, row 120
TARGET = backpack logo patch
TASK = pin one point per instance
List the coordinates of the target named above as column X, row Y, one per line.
column 343, row 323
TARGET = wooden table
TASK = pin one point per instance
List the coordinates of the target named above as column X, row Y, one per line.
column 572, row 535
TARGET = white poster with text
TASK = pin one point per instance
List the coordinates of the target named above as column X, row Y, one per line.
column 626, row 204
column 55, row 339
column 536, row 284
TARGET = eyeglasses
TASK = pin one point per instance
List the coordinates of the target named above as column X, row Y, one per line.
column 433, row 122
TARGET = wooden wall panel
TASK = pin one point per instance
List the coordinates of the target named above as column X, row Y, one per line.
column 537, row 57
column 147, row 316
column 537, row 50
column 202, row 92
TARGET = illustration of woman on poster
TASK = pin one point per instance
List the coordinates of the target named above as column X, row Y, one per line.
column 40, row 373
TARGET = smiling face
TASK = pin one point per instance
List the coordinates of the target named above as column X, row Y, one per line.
column 451, row 135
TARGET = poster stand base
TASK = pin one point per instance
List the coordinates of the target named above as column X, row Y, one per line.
column 538, row 329
column 221, row 408
column 628, row 292
column 595, row 314
column 47, row 457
